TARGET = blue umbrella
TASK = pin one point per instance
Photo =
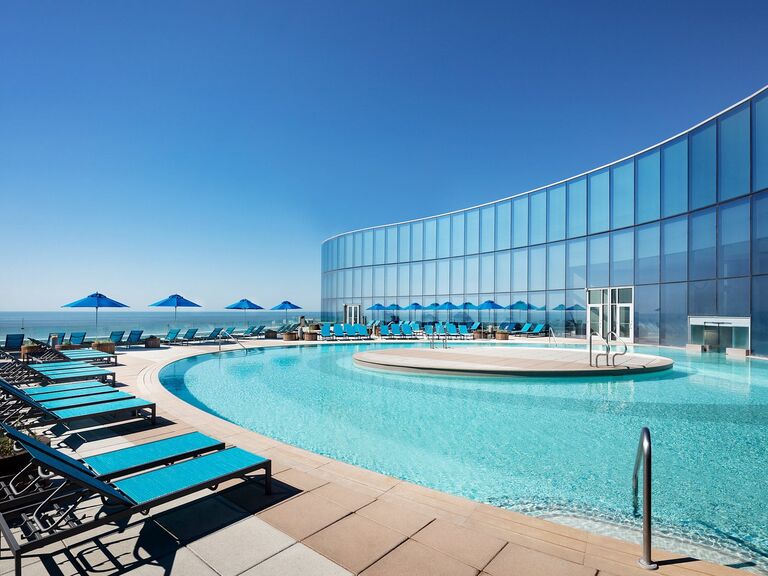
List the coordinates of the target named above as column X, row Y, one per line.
column 433, row 306
column 490, row 305
column 414, row 306
column 377, row 307
column 244, row 305
column 519, row 305
column 448, row 305
column 97, row 301
column 177, row 301
column 286, row 305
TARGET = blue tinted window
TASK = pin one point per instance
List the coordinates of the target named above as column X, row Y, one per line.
column 733, row 296
column 733, row 239
column 577, row 207
column 472, row 240
column 404, row 242
column 599, row 201
column 674, row 250
column 673, row 315
column 575, row 313
column 486, row 273
column 403, row 280
column 487, row 232
column 647, row 254
column 368, row 247
column 598, row 272
column 704, row 166
column 576, row 269
column 520, row 221
column 702, row 298
column 648, row 197
column 430, row 239
column 674, row 177
column 378, row 281
column 556, row 266
column 760, row 234
column 471, row 276
column 379, row 246
column 556, row 213
column 537, row 268
column 647, row 314
column 733, row 169
column 390, row 274
column 520, row 270
column 622, row 257
column 503, row 225
column 443, row 277
column 457, row 275
column 443, row 236
column 391, row 244
column 457, row 234
column 417, row 241
column 556, row 310
column 416, row 279
column 503, row 271
column 760, row 314
column 760, row 143
column 358, row 241
column 623, row 194
column 430, row 280
column 703, row 245
column 538, row 220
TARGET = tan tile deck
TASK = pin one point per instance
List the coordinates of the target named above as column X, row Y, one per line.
column 325, row 518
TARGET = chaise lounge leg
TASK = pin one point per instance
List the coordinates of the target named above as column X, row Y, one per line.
column 268, row 480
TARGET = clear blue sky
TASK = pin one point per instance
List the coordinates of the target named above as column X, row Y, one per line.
column 208, row 148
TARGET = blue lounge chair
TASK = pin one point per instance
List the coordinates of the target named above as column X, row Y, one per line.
column 395, row 331
column 463, row 332
column 116, row 336
column 134, row 338
column 362, row 331
column 384, row 330
column 90, row 355
column 246, row 333
column 126, row 497
column 476, row 326
column 59, row 338
column 259, row 332
column 351, row 331
column 451, row 329
column 439, row 330
column 325, row 332
column 429, row 330
column 170, row 338
column 212, row 336
column 76, row 338
column 537, row 331
column 13, row 342
column 230, row 330
column 70, row 371
column 407, row 331
column 338, row 331
column 188, row 336
column 416, row 327
column 524, row 330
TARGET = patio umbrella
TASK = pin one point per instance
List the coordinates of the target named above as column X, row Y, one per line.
column 286, row 305
column 448, row 305
column 490, row 305
column 95, row 300
column 244, row 305
column 434, row 306
column 393, row 307
column 177, row 301
column 414, row 306
column 377, row 307
column 519, row 305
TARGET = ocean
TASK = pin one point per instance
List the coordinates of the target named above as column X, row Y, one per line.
column 40, row 324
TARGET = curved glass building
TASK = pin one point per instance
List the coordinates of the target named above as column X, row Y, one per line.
column 667, row 246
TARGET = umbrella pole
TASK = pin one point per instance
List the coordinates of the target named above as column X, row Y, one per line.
column 97, row 321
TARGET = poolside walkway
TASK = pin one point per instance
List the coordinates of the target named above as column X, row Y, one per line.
column 325, row 518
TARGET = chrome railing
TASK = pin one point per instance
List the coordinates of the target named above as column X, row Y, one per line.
column 551, row 338
column 622, row 353
column 643, row 458
column 228, row 336
column 606, row 353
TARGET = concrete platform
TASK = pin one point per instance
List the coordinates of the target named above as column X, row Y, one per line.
column 506, row 361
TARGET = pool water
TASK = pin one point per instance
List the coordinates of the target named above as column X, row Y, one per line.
column 561, row 448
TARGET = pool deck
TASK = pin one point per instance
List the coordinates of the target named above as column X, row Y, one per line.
column 325, row 518
column 507, row 361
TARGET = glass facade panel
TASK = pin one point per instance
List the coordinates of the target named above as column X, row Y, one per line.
column 760, row 143
column 444, row 237
column 417, row 278
column 733, row 239
column 504, row 226
column 577, row 207
column 733, row 296
column 403, row 279
column 598, row 266
column 733, row 165
column 520, row 222
column 556, row 311
column 674, row 177
column 760, row 234
column 430, row 282
column 471, row 276
column 487, row 225
column 647, row 254
column 486, row 274
column 760, row 313
column 538, row 219
column 622, row 258
column 556, row 213
column 404, row 242
column 576, row 267
column 648, row 197
column 647, row 314
column 473, row 232
column 703, row 245
column 674, row 250
column 443, row 277
column 702, row 298
column 417, row 241
column 520, row 270
column 368, row 247
column 623, row 194
column 379, row 246
column 457, row 234
column 599, row 201
column 503, row 271
column 704, row 166
column 537, row 268
column 430, row 239
column 556, row 266
column 673, row 314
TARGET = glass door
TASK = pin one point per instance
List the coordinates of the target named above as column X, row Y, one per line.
column 611, row 311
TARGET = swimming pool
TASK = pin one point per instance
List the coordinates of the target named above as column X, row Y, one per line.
column 558, row 448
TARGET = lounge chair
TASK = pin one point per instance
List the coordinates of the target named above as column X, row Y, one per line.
column 134, row 338
column 116, row 336
column 384, row 331
column 429, row 330
column 246, row 333
column 59, row 338
column 416, row 327
column 463, row 332
column 90, row 355
column 212, row 336
column 50, row 522
column 188, row 336
column 439, row 330
column 537, row 331
column 76, row 338
column 407, row 331
column 524, row 330
column 70, row 371
column 230, row 330
column 351, row 331
column 362, row 331
column 338, row 331
column 394, row 329
column 451, row 330
column 13, row 342
column 170, row 338
column 325, row 332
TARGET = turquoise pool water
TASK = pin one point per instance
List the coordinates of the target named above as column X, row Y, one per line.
column 561, row 448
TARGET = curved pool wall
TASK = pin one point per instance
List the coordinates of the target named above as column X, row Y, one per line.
column 684, row 222
column 561, row 448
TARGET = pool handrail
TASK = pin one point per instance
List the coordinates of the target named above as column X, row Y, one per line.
column 643, row 457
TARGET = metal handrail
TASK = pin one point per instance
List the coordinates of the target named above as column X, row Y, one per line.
column 607, row 352
column 643, row 457
column 229, row 336
column 551, row 336
column 623, row 343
